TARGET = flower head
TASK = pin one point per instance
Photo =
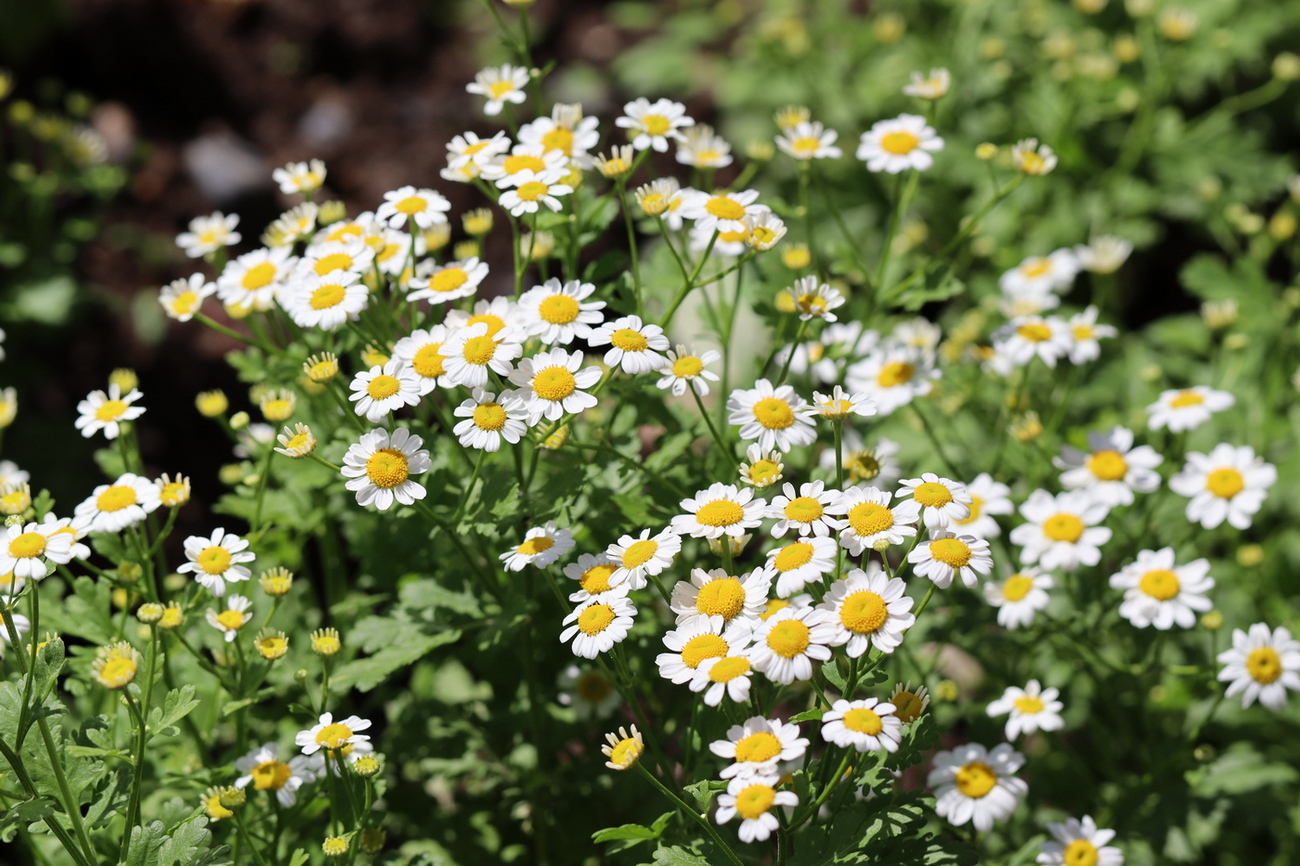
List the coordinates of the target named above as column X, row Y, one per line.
column 1262, row 665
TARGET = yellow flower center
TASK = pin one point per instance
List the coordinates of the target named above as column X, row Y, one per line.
column 383, row 386
column 110, row 410
column 214, row 560
column 330, row 295
column 231, row 619
column 536, row 545
column 758, row 747
column 763, row 236
column 258, row 276
column 863, row 721
column 411, row 205
column 724, row 597
column 1082, row 332
column 1035, row 333
column 27, row 545
column 1161, row 584
column 932, row 494
column 687, row 366
column 1225, row 483
column 895, row 374
column 728, row 669
column 489, row 416
column 514, row 164
column 595, row 619
column 733, row 237
column 332, row 262
column 724, row 208
column 532, row 191
column 558, row 309
column 1108, row 465
column 976, row 779
column 344, row 230
column 387, row 468
column 701, row 647
column 215, row 809
column 754, row 801
column 863, row 612
column 639, row 553
column 1186, row 398
column 1063, row 527
column 479, row 350
column 554, row 383
column 951, row 552
column 764, row 472
column 270, row 775
column 1032, row 163
column 116, row 498
column 495, row 323
column 868, row 518
column 118, row 672
column 185, row 303
column 899, row 142
column 1029, row 705
column 908, row 706
column 448, row 279
column 773, row 413
column 629, row 340
column 596, row 579
column 720, row 512
column 499, row 89
column 560, row 139
column 334, row 736
column 625, row 752
column 592, row 687
column 1264, row 665
column 655, row 124
column 1036, row 267
column 793, row 556
column 428, row 361
column 773, row 605
column 976, row 506
column 805, row 145
column 789, row 638
column 804, row 509
column 1080, row 852
column 1017, row 587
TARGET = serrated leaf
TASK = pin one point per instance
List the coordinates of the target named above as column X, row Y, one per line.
column 703, row 791
column 17, row 816
column 678, row 856
column 188, row 845
column 178, row 704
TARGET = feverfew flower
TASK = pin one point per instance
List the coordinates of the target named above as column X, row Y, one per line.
column 597, row 624
column 1019, row 597
column 1032, row 158
column 1062, row 531
column 637, row 558
column 866, row 609
column 814, row 299
column 987, row 498
column 942, row 500
column 380, row 468
column 946, row 556
column 807, row 140
column 467, row 150
column 906, row 142
column 181, row 299
column 594, row 574
column 868, row 725
column 764, row 467
column 114, row 507
column 730, row 676
column 1103, row 254
column 1159, row 593
column 684, row 369
column 752, row 797
column 719, row 510
column 1229, row 483
column 803, row 561
column 1080, row 842
column 541, row 546
column 1085, row 332
column 840, row 404
column 26, row 548
column 784, row 648
column 1261, row 665
column 100, row 411
column 932, row 86
column 806, row 511
column 553, row 384
column 757, row 746
column 776, row 417
column 623, row 749
column 1027, row 337
column 208, row 234
column 424, row 207
column 871, row 523
column 560, row 313
column 500, row 85
column 334, row 737
column 489, row 419
column 653, row 124
column 700, row 148
column 217, row 560
column 716, row 593
column 1188, row 408
column 533, row 191
column 699, row 638
column 1032, row 708
column 450, row 282
column 232, row 619
column 265, row 772
column 975, row 785
column 1040, row 275
column 300, row 177
column 634, row 345
column 720, row 211
column 380, row 391
column 589, row 692
column 474, row 350
column 326, row 302
column 421, row 352
column 1113, row 469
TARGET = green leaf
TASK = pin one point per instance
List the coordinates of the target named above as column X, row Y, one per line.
column 110, row 796
column 676, row 856
column 21, row 814
column 366, row 673
column 145, row 842
column 188, row 846
column 178, row 704
column 299, row 858
column 703, row 791
column 813, row 715
column 425, row 593
column 833, row 675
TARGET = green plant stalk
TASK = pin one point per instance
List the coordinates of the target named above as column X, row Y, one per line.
column 702, row 821
column 621, row 192
column 713, row 431
column 690, row 282
column 243, row 831
column 137, row 770
column 848, row 235
column 934, row 440
column 794, row 347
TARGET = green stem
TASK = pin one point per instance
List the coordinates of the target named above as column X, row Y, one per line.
column 699, row 819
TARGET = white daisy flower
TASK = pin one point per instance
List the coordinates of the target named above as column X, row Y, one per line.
column 424, row 207
column 1113, row 469
column 351, row 253
column 634, row 345
column 840, row 404
column 252, row 281
column 637, row 558
column 553, row 384
column 1040, row 275
column 497, row 314
column 533, row 191
column 380, row 468
column 326, row 302
column 764, row 468
column 524, row 163
column 764, row 230
column 181, row 299
column 700, row 148
column 653, row 124
column 262, row 769
column 559, row 314
column 908, row 704
column 1019, row 597
column 595, row 576
column 729, row 676
column 1028, row 337
column 566, row 131
column 905, row 142
column 942, row 500
column 752, row 798
column 719, row 510
column 987, row 498
column 868, row 725
column 932, row 86
column 421, row 353
column 299, row 177
column 74, row 528
column 1187, row 408
column 699, row 638
column 296, row 224
column 804, row 561
column 870, row 522
column 1103, row 254
column 806, row 511
column 217, row 560
column 1032, row 708
column 863, row 610
column 720, row 211
column 783, row 647
column 101, row 411
column 975, row 785
column 892, row 377
column 776, row 417
column 450, row 282
column 1032, row 158
column 500, row 85
column 1085, row 332
column 716, row 593
column 468, row 150
column 597, row 624
column 474, row 350
column 809, row 140
column 1228, row 484
column 758, row 744
column 1261, row 665
column 1159, row 593
column 489, row 419
column 1062, row 531
column 946, row 556
column 1080, row 842
column 11, row 475
column 232, row 619
column 542, row 545
column 589, row 692
column 685, row 369
column 332, row 736
column 814, row 299
column 26, row 548
column 207, row 234
column 125, row 502
column 380, row 391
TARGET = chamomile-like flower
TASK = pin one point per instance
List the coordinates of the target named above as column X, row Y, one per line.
column 623, row 749
column 450, row 282
column 867, row 725
column 1041, row 275
column 424, row 207
column 1229, row 483
column 699, row 147
column 1187, row 408
column 947, row 555
column 908, row 704
column 533, row 191
column 700, row 638
column 217, row 560
column 334, row 737
column 639, row 557
column 784, row 648
column 932, row 86
column 421, row 352
column 776, row 417
column 892, row 377
column 1103, row 254
column 764, row 468
column 866, row 609
column 1019, row 597
column 207, row 234
column 252, row 281
column 490, row 419
column 474, row 350
column 541, row 546
column 1159, row 593
column 942, row 500
column 263, row 769
column 1261, row 665
column 806, row 511
column 716, row 593
column 589, row 692
column 654, row 124
column 1061, row 531
column 719, row 510
column 553, row 384
column 987, row 498
column 753, row 797
column 813, row 299
column 728, row 676
column 1086, row 334
column 326, row 302
column 181, row 299
column 107, row 411
column 74, row 529
column 757, row 745
column 595, row 576
column 871, row 523
column 976, row 785
column 1078, row 842
column 840, row 404
column 1113, row 470
column 809, row 140
column 1028, row 337
column 379, row 468
column 468, row 150
column 300, row 177
column 597, row 624
column 905, row 142
column 25, row 549
column 380, row 391
column 565, row 130
column 635, row 346
column 1032, row 158
column 684, row 369
column 559, row 313
column 720, row 211
column 803, row 561
column 1030, row 709
column 232, row 619
column 125, row 502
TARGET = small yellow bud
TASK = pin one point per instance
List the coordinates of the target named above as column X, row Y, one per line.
column 325, row 642
column 150, row 612
column 335, row 846
column 271, row 645
column 322, row 367
column 987, row 151
column 211, row 403
column 277, row 404
column 15, row 499
column 239, row 421
column 1126, row 49
column 172, row 616
column 129, row 572
column 796, row 257
column 232, row 798
column 366, row 766
column 230, row 474
column 477, row 222
column 946, row 690
column 1282, row 226
column 1236, row 342
column 331, row 212
column 372, row 356
column 1286, row 66
column 116, row 665
column 465, row 249
column 174, row 492
column 1212, row 620
column 889, row 28
column 212, row 804
column 276, row 582
column 124, row 378
column 436, row 236
column 1177, row 24
column 759, row 150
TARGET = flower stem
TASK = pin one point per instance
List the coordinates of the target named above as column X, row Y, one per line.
column 701, row 820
